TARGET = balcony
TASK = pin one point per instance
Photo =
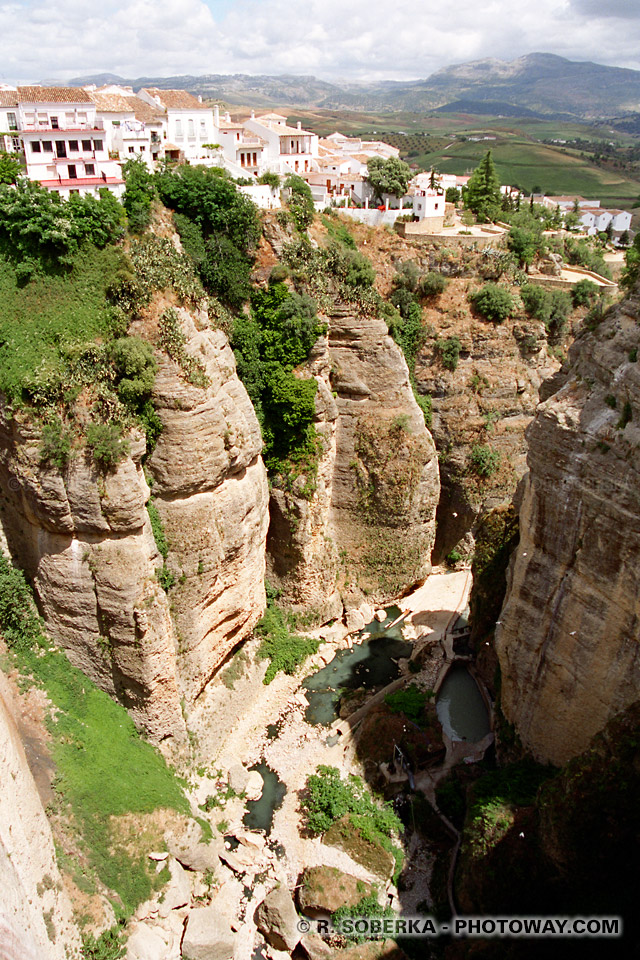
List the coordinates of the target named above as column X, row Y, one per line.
column 96, row 126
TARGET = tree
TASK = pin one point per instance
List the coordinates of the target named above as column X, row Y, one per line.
column 493, row 302
column 9, row 168
column 301, row 204
column 139, row 192
column 388, row 176
column 524, row 244
column 434, row 179
column 482, row 194
column 452, row 195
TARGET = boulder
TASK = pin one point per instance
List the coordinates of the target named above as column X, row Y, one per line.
column 189, row 849
column 145, row 943
column 277, row 919
column 355, row 621
column 178, row 892
column 380, row 615
column 238, row 776
column 207, row 935
column 254, row 785
column 324, row 889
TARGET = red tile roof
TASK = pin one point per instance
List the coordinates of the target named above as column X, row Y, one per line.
column 8, row 98
column 176, row 99
column 53, row 95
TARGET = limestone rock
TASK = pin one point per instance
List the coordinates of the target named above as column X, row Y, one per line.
column 277, row 919
column 254, row 785
column 145, row 943
column 207, row 935
column 191, row 852
column 178, row 891
column 568, row 639
column 85, row 540
column 324, row 889
column 35, row 913
column 238, row 776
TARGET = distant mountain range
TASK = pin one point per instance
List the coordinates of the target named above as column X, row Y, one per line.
column 539, row 84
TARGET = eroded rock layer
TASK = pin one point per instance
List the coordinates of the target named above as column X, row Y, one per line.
column 569, row 639
column 84, row 538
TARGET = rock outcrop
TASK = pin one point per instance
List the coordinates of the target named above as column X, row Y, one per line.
column 569, row 641
column 84, row 538
column 35, row 913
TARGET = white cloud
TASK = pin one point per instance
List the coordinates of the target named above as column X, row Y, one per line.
column 333, row 39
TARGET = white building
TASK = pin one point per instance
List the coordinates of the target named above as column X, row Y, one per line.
column 286, row 149
column 188, row 125
column 9, row 138
column 64, row 142
column 133, row 127
column 243, row 149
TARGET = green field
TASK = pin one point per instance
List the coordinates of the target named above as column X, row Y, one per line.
column 526, row 164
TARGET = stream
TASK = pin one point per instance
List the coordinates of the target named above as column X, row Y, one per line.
column 460, row 706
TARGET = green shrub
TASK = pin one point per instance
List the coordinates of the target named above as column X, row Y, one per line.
column 633, row 355
column 432, row 285
column 453, row 557
column 493, row 302
column 584, row 292
column 449, row 351
column 611, row 401
column 139, row 191
column 55, row 444
column 626, row 416
column 410, row 701
column 329, row 797
column 20, row 623
column 107, row 444
column 483, row 460
column 157, row 528
column 301, row 204
column 285, row 650
column 108, row 946
column 350, row 266
column 173, row 340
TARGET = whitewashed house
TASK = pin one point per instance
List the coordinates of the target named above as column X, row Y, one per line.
column 242, row 149
column 65, row 144
column 286, row 149
column 9, row 134
column 188, row 125
column 133, row 127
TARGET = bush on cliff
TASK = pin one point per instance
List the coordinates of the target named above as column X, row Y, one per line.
column 493, row 302
column 284, row 649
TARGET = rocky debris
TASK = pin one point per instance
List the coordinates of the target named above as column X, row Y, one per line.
column 190, row 850
column 178, row 891
column 316, row 948
column 145, row 942
column 568, row 637
column 323, row 890
column 369, row 853
column 237, row 777
column 380, row 615
column 207, row 935
column 277, row 919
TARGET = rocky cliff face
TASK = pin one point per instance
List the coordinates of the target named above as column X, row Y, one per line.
column 85, row 540
column 35, row 913
column 569, row 639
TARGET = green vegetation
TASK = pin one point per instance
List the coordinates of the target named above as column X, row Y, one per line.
column 388, row 176
column 329, row 798
column 626, row 416
column 107, row 444
column 584, row 292
column 482, row 193
column 269, row 179
column 368, row 906
column 173, row 340
column 218, row 225
column 483, row 460
column 10, row 168
column 139, row 192
column 284, row 649
column 108, row 946
column 104, row 769
column 494, row 302
column 268, row 345
column 552, row 307
column 301, row 206
column 449, row 351
column 157, row 528
column 55, row 443
column 432, row 285
column 410, row 701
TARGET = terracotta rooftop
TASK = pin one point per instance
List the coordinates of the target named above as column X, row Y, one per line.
column 145, row 112
column 176, row 99
column 53, row 95
column 112, row 102
column 8, row 98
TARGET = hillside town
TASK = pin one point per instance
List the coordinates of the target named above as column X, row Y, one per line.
column 74, row 140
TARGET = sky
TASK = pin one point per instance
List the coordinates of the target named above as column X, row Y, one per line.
column 336, row 40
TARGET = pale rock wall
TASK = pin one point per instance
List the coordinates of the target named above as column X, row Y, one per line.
column 568, row 642
column 35, row 914
column 85, row 540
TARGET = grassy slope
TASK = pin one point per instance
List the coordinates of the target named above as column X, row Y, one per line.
column 48, row 315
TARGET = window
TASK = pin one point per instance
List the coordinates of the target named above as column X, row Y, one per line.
column 54, row 123
column 90, row 169
column 132, row 149
column 61, row 148
column 192, row 129
column 86, row 146
column 47, row 146
column 36, row 147
column 203, row 128
column 178, row 129
column 74, row 191
column 12, row 121
column 73, row 145
column 72, row 171
column 142, row 148
column 97, row 144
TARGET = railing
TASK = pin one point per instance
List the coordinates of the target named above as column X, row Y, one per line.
column 45, row 126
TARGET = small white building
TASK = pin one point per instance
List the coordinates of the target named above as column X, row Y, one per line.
column 242, row 148
column 9, row 134
column 188, row 125
column 133, row 127
column 65, row 144
column 286, row 149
